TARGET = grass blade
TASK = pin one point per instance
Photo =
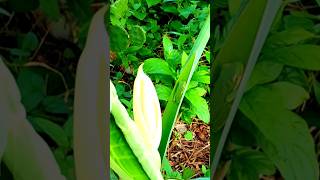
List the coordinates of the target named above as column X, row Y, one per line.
column 173, row 106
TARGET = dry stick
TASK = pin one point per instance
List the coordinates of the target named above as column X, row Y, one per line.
column 40, row 45
column 9, row 21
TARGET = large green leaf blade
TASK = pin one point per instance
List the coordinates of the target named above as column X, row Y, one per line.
column 172, row 108
column 122, row 155
column 292, row 148
column 249, row 164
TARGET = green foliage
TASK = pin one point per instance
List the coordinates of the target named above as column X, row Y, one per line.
column 271, row 131
column 188, row 135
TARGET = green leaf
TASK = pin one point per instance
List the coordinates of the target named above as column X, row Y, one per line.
column 153, row 2
column 32, row 87
column 234, row 6
column 121, row 156
column 198, row 91
column 163, row 92
column 157, row 66
column 264, row 72
column 316, row 89
column 68, row 127
column 30, row 42
column 55, row 104
column 119, row 38
column 289, row 37
column 295, row 76
column 284, row 95
column 50, row 8
column 186, row 11
column 284, row 138
column 177, row 95
column 166, row 166
column 113, row 176
column 202, row 76
column 292, row 21
column 248, row 164
column 184, row 58
column 199, row 105
column 167, row 47
column 300, row 56
column 188, row 136
column 119, row 9
column 137, row 36
column 187, row 173
column 80, row 9
column 54, row 131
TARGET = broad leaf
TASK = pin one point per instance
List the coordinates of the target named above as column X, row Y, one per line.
column 280, row 94
column 54, row 131
column 264, row 72
column 153, row 2
column 122, row 157
column 248, row 164
column 157, row 66
column 163, row 92
column 32, row 87
column 289, row 37
column 285, row 139
column 301, row 56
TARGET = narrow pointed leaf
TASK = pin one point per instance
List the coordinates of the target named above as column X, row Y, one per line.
column 173, row 106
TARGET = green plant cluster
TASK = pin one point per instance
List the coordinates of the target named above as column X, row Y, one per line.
column 160, row 34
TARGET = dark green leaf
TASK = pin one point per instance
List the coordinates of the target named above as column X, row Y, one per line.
column 119, row 38
column 279, row 94
column 50, row 8
column 248, row 164
column 153, row 2
column 32, row 88
column 30, row 42
column 301, row 56
column 137, row 36
column 289, row 37
column 316, row 89
column 264, row 72
column 54, row 131
column 55, row 104
column 284, row 138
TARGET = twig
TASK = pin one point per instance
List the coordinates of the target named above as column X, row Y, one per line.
column 40, row 45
